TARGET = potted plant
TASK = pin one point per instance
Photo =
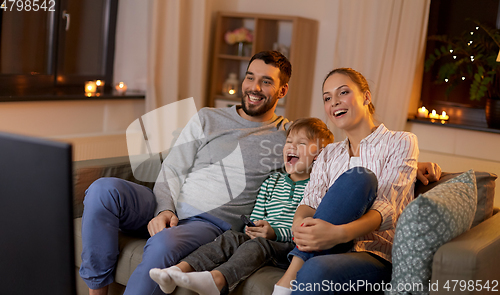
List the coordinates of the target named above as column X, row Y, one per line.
column 471, row 58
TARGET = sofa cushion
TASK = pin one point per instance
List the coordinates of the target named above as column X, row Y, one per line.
column 485, row 183
column 428, row 222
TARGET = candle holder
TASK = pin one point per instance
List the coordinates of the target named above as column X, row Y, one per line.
column 121, row 88
column 433, row 115
column 99, row 86
column 230, row 86
column 90, row 88
column 422, row 112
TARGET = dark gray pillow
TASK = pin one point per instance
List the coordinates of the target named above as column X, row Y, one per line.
column 485, row 183
column 428, row 222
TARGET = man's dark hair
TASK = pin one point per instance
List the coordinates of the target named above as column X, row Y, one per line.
column 278, row 60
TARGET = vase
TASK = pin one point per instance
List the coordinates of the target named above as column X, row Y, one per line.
column 244, row 49
column 241, row 48
column 492, row 111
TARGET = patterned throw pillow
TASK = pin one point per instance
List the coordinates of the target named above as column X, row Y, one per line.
column 428, row 222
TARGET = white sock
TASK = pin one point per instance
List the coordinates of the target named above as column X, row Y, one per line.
column 199, row 282
column 162, row 278
column 279, row 290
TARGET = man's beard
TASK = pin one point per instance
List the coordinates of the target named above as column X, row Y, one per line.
column 255, row 111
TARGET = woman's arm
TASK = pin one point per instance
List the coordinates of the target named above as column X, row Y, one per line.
column 303, row 211
column 396, row 180
column 317, row 234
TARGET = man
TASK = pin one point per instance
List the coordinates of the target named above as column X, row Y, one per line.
column 203, row 188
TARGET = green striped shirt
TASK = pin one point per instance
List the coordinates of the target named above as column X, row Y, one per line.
column 276, row 203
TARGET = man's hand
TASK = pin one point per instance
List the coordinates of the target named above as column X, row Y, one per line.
column 317, row 234
column 165, row 219
column 261, row 229
column 428, row 171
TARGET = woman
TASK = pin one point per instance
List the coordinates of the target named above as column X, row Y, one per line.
column 345, row 224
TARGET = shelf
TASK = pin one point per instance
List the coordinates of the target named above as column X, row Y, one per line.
column 471, row 126
column 55, row 96
column 295, row 37
column 222, row 97
column 235, row 57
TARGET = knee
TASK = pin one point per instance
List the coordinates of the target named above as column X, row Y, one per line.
column 313, row 270
column 255, row 245
column 360, row 175
column 161, row 250
column 102, row 193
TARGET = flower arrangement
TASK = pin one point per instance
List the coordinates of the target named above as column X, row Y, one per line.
column 470, row 57
column 238, row 35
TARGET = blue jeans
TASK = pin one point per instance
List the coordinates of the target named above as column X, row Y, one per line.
column 113, row 205
column 349, row 198
column 345, row 273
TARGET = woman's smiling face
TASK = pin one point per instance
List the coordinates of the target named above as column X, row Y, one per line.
column 344, row 102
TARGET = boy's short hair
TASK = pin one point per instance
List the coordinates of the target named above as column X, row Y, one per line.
column 315, row 129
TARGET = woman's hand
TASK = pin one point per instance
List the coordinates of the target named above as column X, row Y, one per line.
column 261, row 229
column 317, row 234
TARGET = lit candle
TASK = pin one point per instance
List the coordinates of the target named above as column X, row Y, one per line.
column 422, row 112
column 121, row 88
column 433, row 115
column 90, row 88
column 444, row 116
column 99, row 86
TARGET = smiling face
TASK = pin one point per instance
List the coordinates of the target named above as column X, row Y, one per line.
column 261, row 91
column 345, row 104
column 299, row 153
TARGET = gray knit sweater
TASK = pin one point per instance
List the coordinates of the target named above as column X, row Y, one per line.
column 218, row 164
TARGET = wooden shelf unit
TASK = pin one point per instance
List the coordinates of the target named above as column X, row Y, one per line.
column 298, row 34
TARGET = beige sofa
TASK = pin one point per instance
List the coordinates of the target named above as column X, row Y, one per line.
column 473, row 255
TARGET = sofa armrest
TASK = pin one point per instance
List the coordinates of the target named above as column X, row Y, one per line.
column 470, row 256
column 88, row 171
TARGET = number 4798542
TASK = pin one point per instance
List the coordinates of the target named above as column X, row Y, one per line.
column 28, row 5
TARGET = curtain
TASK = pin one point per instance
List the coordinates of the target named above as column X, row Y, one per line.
column 385, row 41
column 178, row 41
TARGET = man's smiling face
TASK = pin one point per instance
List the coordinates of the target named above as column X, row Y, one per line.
column 261, row 89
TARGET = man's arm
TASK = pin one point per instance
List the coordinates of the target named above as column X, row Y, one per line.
column 428, row 172
column 174, row 170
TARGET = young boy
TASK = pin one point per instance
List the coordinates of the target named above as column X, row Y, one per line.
column 234, row 256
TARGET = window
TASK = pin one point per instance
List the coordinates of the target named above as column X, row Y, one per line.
column 449, row 17
column 55, row 49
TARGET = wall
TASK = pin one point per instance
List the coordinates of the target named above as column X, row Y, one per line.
column 459, row 150
column 324, row 11
column 95, row 127
column 131, row 54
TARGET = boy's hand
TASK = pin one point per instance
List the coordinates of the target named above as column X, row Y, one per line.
column 261, row 229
